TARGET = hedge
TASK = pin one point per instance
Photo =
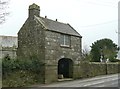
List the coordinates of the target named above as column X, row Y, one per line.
column 17, row 73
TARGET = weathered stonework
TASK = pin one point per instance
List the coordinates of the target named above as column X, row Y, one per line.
column 8, row 46
column 54, row 52
column 40, row 38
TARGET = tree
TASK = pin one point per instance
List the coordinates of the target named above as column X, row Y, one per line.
column 104, row 48
column 3, row 13
column 86, row 54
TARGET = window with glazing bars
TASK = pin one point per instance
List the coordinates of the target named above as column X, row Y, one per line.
column 65, row 40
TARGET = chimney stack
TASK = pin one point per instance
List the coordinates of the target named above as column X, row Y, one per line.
column 34, row 10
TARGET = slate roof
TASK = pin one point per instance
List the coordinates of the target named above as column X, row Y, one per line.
column 57, row 26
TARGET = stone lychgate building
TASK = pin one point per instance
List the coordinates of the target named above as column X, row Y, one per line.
column 56, row 44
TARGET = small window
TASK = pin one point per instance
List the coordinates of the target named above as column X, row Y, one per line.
column 65, row 40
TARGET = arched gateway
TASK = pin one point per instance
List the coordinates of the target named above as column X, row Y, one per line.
column 65, row 67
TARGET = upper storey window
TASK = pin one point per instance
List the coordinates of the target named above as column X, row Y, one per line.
column 65, row 40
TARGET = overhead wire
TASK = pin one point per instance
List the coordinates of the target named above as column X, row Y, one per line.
column 108, row 22
column 102, row 3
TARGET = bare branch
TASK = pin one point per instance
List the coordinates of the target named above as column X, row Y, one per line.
column 3, row 3
column 3, row 13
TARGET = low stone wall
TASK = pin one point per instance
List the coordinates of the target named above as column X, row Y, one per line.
column 105, row 68
column 83, row 70
column 113, row 68
column 95, row 69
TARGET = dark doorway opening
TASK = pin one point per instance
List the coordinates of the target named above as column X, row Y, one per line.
column 65, row 67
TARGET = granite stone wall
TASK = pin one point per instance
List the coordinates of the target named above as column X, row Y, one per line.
column 54, row 52
column 8, row 46
column 31, row 43
column 92, row 69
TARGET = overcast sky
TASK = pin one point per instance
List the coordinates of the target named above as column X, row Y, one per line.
column 93, row 19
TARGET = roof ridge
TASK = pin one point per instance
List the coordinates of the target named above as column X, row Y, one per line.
column 57, row 26
column 53, row 20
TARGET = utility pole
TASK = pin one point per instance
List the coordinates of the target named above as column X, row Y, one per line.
column 118, row 42
column 118, row 29
column 118, row 39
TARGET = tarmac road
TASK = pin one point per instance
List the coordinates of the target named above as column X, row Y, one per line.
column 99, row 81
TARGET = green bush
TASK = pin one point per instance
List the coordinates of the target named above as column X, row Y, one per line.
column 17, row 72
column 19, row 78
column 14, row 64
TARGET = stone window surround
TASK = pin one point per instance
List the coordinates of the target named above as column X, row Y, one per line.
column 63, row 41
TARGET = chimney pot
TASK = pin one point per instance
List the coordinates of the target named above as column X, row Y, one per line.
column 45, row 16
